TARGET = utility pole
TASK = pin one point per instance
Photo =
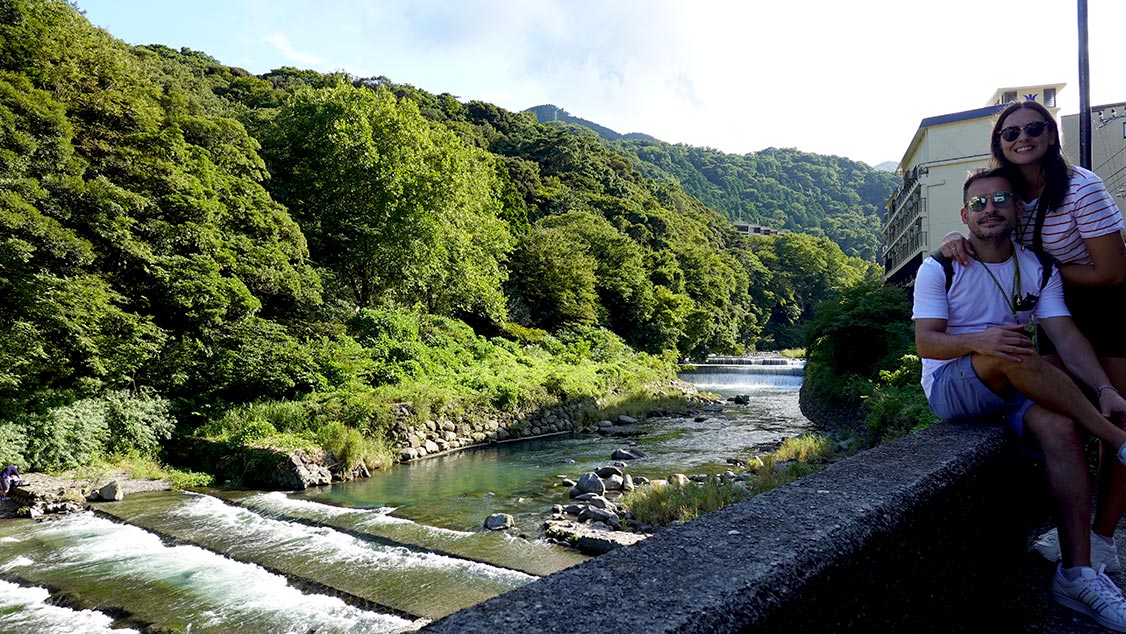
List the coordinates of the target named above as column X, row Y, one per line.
column 1084, row 91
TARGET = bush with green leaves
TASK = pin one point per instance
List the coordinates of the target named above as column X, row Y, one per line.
column 13, row 443
column 138, row 423
column 861, row 371
column 66, row 437
column 119, row 423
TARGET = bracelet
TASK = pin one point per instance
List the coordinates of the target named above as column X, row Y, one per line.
column 1107, row 386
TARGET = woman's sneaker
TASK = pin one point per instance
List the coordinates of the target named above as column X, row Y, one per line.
column 1102, row 553
column 1093, row 594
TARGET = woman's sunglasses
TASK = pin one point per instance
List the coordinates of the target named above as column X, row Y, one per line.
column 1000, row 201
column 1034, row 129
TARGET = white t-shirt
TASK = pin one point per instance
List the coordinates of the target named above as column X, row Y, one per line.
column 975, row 303
column 1087, row 211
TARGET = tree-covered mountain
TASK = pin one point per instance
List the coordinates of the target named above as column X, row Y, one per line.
column 549, row 113
column 779, row 188
column 174, row 228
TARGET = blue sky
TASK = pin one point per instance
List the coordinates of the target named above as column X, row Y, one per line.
column 846, row 78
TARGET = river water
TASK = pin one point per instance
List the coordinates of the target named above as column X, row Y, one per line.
column 386, row 554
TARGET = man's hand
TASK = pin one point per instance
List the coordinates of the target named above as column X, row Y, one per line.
column 1112, row 405
column 1007, row 342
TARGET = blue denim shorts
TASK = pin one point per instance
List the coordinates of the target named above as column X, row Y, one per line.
column 958, row 395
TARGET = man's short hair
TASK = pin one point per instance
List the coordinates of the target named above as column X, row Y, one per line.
column 978, row 174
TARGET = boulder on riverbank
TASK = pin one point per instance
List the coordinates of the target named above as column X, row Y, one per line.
column 591, row 538
column 40, row 494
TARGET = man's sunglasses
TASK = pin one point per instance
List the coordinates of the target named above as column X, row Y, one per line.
column 1000, row 201
column 1034, row 129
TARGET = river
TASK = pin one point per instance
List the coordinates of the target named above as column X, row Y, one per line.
column 385, row 554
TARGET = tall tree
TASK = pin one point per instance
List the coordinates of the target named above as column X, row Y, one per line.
column 397, row 210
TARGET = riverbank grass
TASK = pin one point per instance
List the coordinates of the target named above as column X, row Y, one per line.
column 795, row 458
column 136, row 468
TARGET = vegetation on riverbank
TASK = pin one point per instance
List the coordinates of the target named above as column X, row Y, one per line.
column 795, row 458
column 862, row 373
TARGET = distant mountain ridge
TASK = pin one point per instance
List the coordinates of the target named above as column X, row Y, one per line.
column 784, row 188
column 547, row 113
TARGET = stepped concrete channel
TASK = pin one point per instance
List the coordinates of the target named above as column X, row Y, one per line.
column 499, row 549
column 929, row 533
column 363, row 557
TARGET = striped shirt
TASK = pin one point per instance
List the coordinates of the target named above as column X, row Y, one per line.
column 1087, row 211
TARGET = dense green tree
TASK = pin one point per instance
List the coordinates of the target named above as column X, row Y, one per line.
column 396, row 209
column 805, row 270
column 554, row 280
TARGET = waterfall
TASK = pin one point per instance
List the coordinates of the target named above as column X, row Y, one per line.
column 122, row 566
column 739, row 373
column 29, row 610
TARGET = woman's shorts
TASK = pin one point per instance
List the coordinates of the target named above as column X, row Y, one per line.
column 1097, row 312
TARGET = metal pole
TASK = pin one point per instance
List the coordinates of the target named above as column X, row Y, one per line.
column 1084, row 91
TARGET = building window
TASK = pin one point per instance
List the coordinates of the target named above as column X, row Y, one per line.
column 1050, row 97
column 1009, row 96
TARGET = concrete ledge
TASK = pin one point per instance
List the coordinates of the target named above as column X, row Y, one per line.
column 915, row 535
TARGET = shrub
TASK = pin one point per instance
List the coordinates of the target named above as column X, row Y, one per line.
column 137, row 423
column 897, row 405
column 13, row 443
column 66, row 437
column 668, row 504
column 352, row 447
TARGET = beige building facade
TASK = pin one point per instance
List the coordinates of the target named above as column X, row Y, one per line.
column 944, row 149
column 1108, row 146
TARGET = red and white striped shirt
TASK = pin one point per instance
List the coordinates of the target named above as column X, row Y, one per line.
column 1087, row 211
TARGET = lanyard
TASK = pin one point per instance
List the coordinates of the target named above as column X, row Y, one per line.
column 1012, row 298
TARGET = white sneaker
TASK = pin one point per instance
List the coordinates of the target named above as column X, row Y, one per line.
column 1102, row 553
column 1093, row 594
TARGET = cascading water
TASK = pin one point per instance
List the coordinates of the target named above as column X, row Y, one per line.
column 120, row 568
column 27, row 609
column 392, row 577
column 728, row 374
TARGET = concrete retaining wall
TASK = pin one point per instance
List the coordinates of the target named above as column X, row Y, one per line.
column 917, row 535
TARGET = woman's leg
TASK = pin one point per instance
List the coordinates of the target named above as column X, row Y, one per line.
column 1111, row 499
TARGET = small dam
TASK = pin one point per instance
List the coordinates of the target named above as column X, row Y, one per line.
column 733, row 373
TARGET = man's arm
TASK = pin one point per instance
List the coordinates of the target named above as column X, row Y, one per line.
column 1081, row 362
column 1007, row 342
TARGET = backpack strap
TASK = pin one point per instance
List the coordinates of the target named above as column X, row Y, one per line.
column 1046, row 265
column 948, row 267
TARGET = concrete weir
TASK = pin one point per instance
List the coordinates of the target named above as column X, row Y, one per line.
column 918, row 535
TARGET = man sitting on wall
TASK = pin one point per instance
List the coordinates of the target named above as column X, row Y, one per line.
column 979, row 360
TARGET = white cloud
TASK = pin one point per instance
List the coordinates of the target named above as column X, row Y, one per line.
column 290, row 52
column 846, row 78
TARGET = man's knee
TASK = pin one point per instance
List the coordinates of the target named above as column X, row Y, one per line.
column 1053, row 431
column 995, row 371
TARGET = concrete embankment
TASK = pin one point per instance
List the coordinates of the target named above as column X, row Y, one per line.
column 928, row 533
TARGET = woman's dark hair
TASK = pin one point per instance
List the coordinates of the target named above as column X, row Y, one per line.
column 1054, row 165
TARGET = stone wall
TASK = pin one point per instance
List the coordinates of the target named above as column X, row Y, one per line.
column 426, row 438
column 919, row 535
column 415, row 439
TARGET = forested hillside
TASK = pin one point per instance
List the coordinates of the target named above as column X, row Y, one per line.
column 778, row 188
column 180, row 239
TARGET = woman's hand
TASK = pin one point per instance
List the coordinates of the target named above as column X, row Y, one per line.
column 955, row 246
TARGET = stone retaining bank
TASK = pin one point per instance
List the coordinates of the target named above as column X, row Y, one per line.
column 418, row 439
column 919, row 535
